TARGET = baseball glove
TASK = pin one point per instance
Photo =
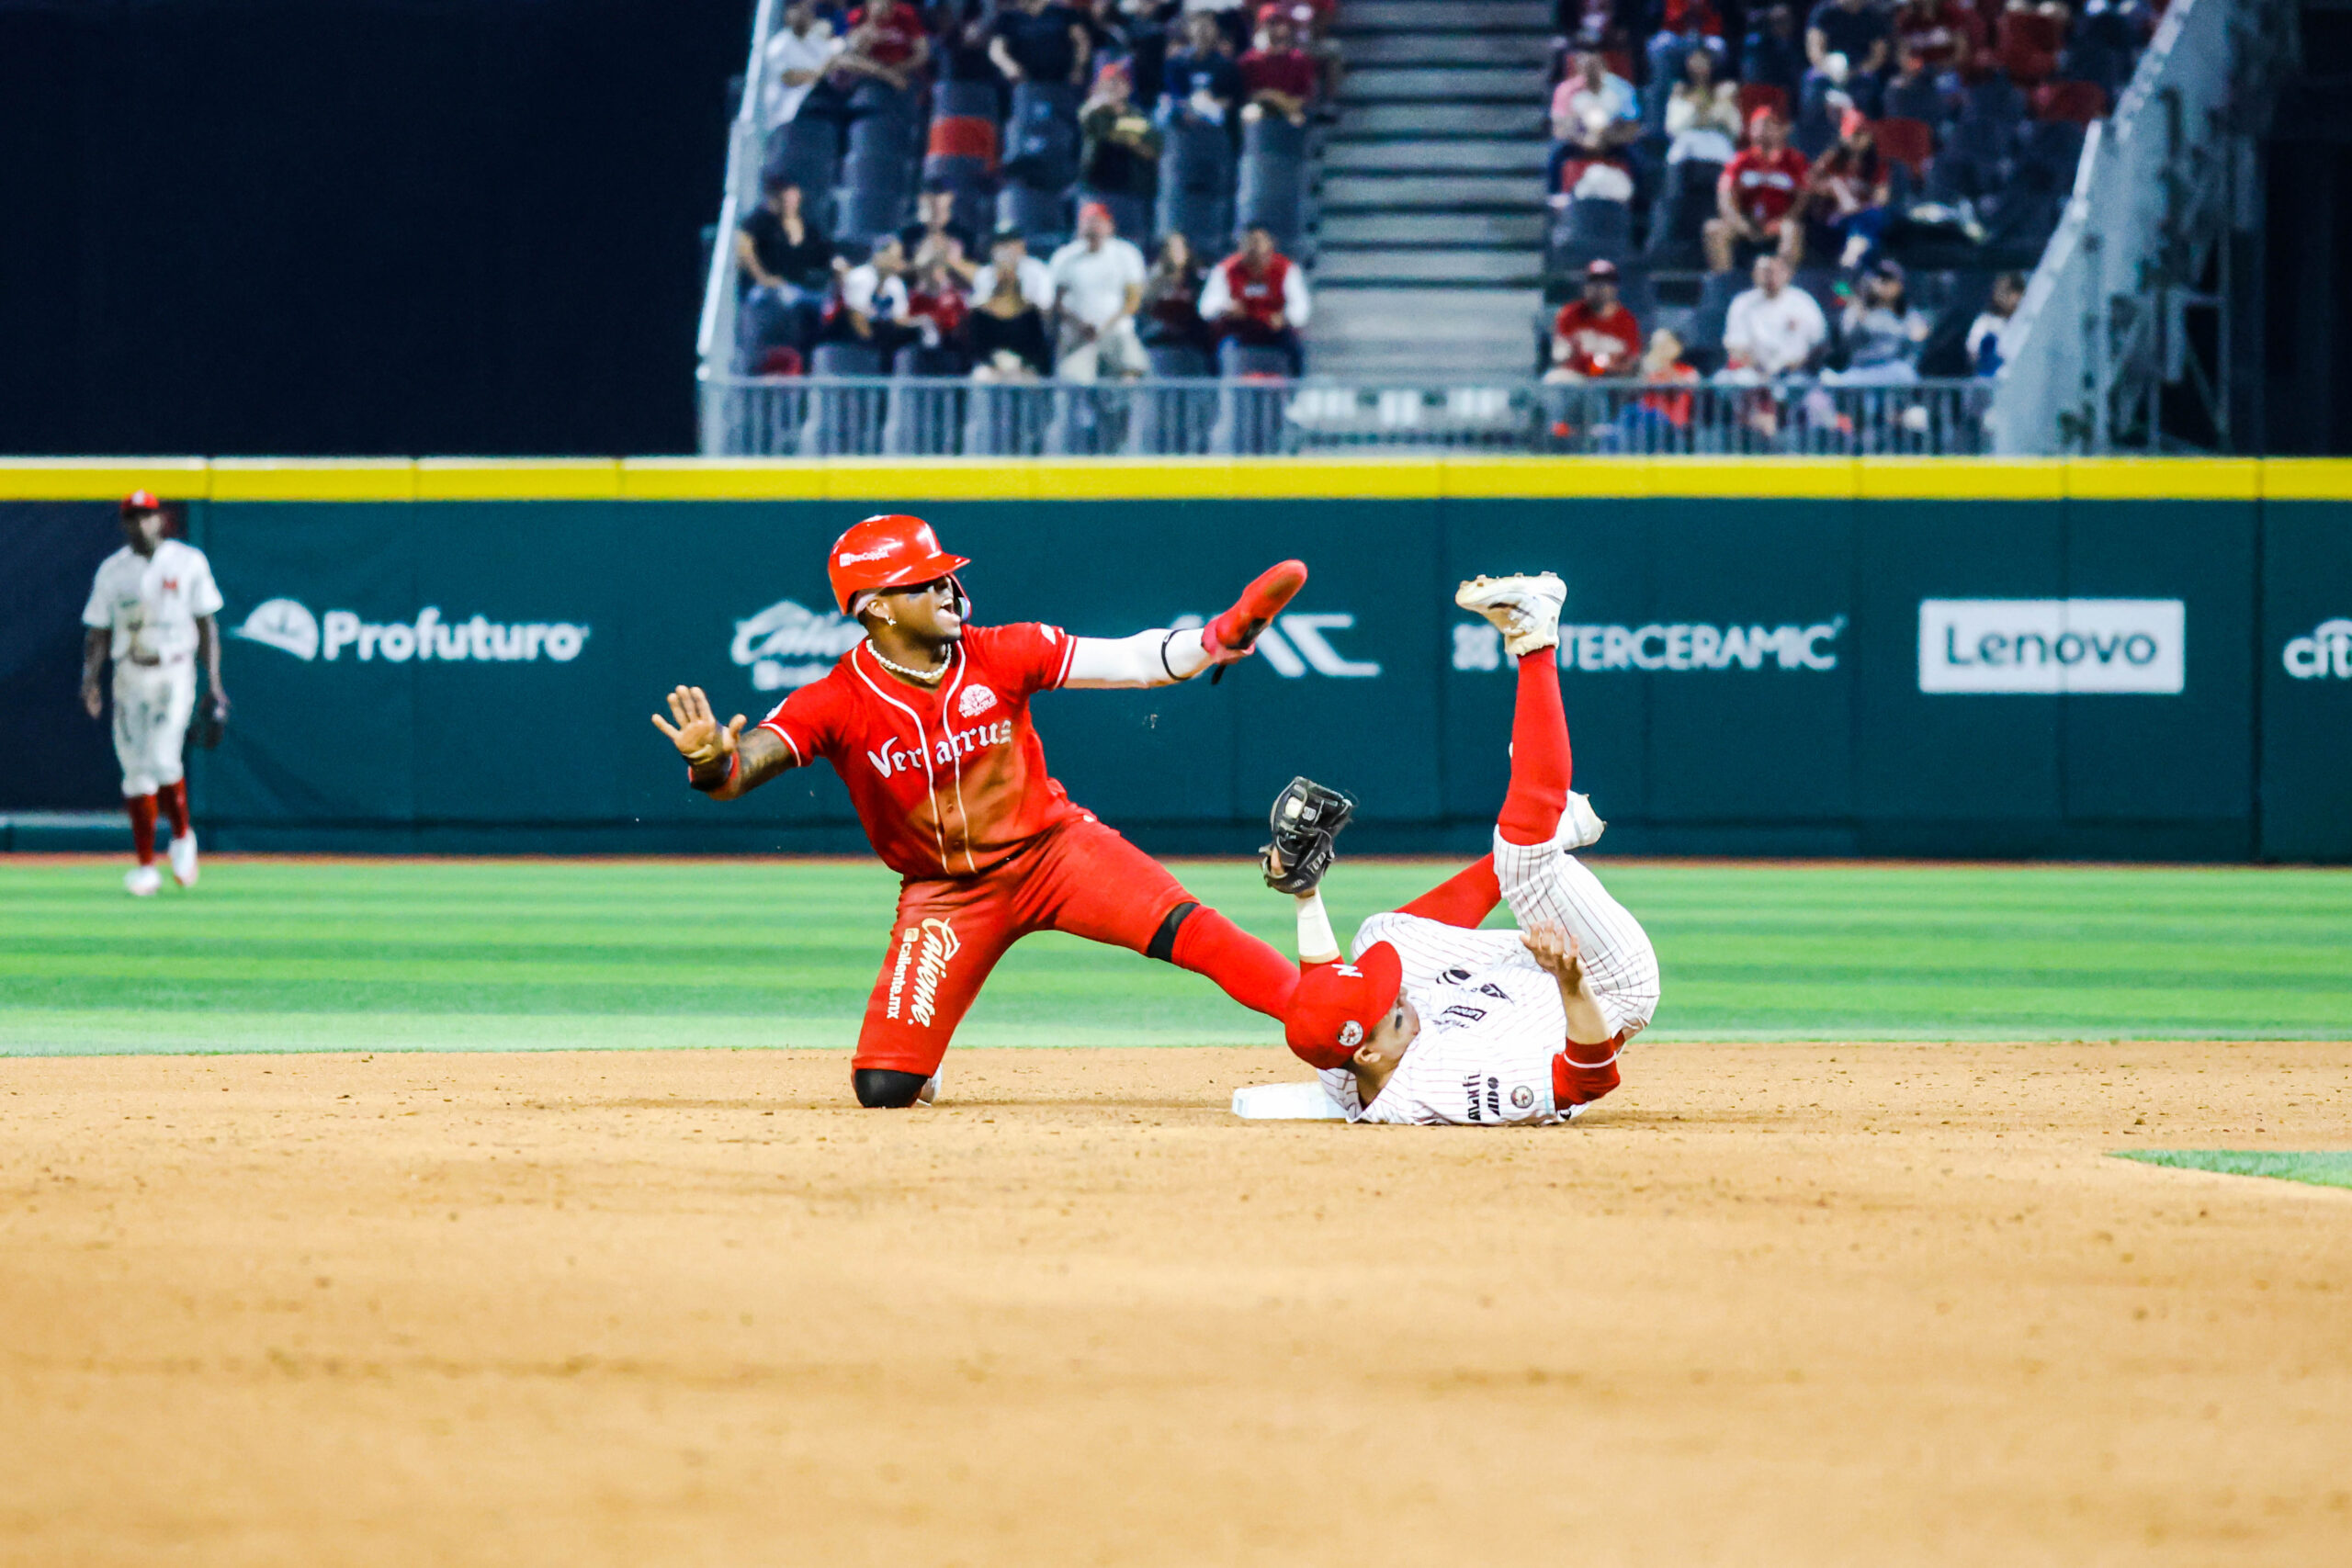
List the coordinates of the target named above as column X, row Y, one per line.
column 210, row 722
column 1306, row 818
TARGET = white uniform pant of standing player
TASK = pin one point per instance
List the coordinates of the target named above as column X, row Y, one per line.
column 152, row 705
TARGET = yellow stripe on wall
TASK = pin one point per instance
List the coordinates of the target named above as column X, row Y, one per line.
column 1466, row 476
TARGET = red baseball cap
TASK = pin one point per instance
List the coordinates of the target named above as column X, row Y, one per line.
column 1097, row 209
column 1338, row 1004
column 1762, row 113
column 139, row 500
column 892, row 550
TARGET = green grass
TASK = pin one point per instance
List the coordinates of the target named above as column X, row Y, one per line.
column 2333, row 1169
column 462, row 954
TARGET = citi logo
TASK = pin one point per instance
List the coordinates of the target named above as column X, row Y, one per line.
column 2325, row 655
column 2053, row 646
column 289, row 627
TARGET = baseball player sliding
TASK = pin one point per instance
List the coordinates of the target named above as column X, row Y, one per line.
column 151, row 610
column 1431, row 1020
column 927, row 722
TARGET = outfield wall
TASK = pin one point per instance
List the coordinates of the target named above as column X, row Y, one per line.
column 2083, row 659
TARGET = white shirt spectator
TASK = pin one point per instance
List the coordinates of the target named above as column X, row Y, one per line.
column 1036, row 282
column 787, row 51
column 1092, row 284
column 1592, row 110
column 1995, row 332
column 1775, row 335
column 863, row 289
column 1707, row 132
column 1216, row 296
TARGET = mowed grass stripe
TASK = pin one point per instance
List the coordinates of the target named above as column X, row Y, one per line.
column 2321, row 1169
column 410, row 955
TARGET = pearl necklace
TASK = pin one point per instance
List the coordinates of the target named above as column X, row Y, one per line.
column 926, row 676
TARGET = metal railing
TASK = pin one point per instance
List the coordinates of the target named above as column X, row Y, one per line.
column 2100, row 329
column 931, row 417
column 715, row 332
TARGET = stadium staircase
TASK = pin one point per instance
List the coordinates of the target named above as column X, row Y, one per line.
column 1432, row 216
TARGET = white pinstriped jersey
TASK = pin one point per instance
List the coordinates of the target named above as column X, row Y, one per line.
column 1491, row 1016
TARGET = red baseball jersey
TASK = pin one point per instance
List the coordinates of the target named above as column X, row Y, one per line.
column 950, row 781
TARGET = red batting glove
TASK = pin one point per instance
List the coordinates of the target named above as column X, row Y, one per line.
column 1233, row 634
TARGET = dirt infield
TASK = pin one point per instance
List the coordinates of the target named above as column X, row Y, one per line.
column 1785, row 1303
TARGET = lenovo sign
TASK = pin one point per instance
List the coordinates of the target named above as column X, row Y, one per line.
column 2076, row 646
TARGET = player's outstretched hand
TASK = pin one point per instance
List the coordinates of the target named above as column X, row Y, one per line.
column 1555, row 950
column 700, row 738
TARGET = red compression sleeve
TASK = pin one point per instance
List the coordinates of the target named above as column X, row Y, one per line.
column 1463, row 899
column 1540, row 765
column 143, row 826
column 1250, row 972
column 173, row 797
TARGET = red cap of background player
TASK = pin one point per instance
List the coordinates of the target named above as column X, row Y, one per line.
column 139, row 500
column 890, row 552
column 1337, row 1004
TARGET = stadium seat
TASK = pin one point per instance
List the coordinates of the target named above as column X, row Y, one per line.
column 962, row 138
column 1130, row 215
column 1040, row 215
column 1272, row 135
column 1005, row 422
column 1041, row 142
column 1754, row 96
column 2028, row 46
column 978, row 100
column 1917, row 96
column 806, row 152
column 1680, row 214
column 876, row 136
column 781, row 360
column 1591, row 231
column 1273, row 191
column 1909, row 142
column 1204, row 217
column 875, row 195
column 843, row 421
column 2076, row 103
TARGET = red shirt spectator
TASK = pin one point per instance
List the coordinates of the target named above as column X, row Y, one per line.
column 936, row 299
column 894, row 38
column 1285, row 71
column 1309, row 17
column 1596, row 335
column 1765, row 185
column 1685, row 17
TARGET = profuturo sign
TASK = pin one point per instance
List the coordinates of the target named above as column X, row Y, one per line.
column 288, row 626
column 2075, row 647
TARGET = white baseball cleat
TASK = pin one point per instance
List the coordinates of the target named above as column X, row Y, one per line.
column 183, row 856
column 142, row 881
column 1525, row 609
column 928, row 1093
column 1579, row 824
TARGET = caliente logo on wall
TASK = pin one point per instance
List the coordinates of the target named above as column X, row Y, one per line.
column 288, row 625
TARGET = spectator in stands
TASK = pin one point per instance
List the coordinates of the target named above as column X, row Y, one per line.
column 1006, row 333
column 1203, row 83
column 796, row 60
column 1009, row 252
column 1701, row 114
column 1594, row 336
column 1595, row 117
column 1848, row 43
column 959, row 31
column 1683, row 28
column 1845, row 194
column 1773, row 53
column 1772, row 330
column 938, row 235
column 1040, row 40
column 1915, row 92
column 1944, row 37
column 1230, row 18
column 1257, row 296
column 1757, row 196
column 936, row 309
column 873, row 305
column 1098, row 287
column 1989, row 334
column 1172, row 298
column 1140, row 30
column 1658, row 416
column 1882, row 333
column 781, row 253
column 1119, row 164
column 1276, row 75
column 1310, row 23
column 887, row 44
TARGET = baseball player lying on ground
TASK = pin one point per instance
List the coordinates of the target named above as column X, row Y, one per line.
column 1431, row 1020
column 927, row 722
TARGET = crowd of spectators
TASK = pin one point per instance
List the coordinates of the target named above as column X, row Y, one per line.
column 1135, row 118
column 1808, row 153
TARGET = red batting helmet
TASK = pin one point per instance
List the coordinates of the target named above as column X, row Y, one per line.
column 139, row 500
column 1338, row 1004
column 890, row 551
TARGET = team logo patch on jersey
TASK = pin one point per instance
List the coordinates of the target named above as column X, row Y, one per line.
column 1459, row 1013
column 977, row 700
column 1522, row 1098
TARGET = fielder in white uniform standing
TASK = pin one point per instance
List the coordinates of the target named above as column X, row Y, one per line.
column 1433, row 1021
column 152, row 611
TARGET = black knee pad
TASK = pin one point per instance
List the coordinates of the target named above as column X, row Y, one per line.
column 1163, row 941
column 883, row 1089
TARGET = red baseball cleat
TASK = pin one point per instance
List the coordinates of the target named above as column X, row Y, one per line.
column 1233, row 634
